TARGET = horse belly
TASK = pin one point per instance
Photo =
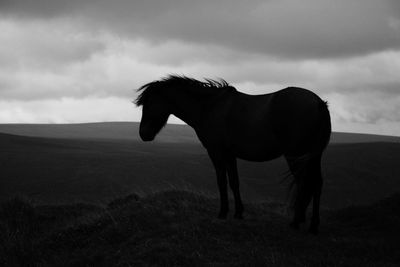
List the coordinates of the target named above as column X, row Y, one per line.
column 257, row 148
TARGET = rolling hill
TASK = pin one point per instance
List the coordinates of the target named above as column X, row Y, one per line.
column 98, row 162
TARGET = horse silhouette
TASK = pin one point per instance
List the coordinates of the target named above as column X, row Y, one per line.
column 292, row 122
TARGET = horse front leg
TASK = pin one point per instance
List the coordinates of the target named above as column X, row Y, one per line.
column 220, row 170
column 234, row 184
column 223, row 192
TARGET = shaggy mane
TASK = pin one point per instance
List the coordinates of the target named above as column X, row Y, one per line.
column 191, row 84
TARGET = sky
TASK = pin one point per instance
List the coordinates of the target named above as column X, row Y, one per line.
column 81, row 60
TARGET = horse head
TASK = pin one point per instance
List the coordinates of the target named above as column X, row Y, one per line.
column 155, row 113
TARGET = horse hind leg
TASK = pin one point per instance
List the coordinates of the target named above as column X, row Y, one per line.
column 317, row 188
column 302, row 201
column 299, row 168
column 309, row 189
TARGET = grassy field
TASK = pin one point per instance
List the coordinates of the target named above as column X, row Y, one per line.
column 93, row 195
column 179, row 228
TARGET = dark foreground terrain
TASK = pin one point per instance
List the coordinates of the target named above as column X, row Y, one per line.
column 62, row 204
column 179, row 228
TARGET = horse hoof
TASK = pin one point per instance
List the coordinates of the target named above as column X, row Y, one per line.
column 313, row 231
column 238, row 216
column 294, row 225
column 222, row 216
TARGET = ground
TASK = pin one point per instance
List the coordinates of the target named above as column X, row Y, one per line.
column 93, row 195
column 180, row 228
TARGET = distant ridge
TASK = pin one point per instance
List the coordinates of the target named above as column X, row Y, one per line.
column 99, row 130
column 129, row 131
column 340, row 137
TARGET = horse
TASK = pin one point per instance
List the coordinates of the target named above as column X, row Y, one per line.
column 292, row 122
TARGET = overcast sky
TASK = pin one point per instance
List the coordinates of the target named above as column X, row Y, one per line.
column 80, row 60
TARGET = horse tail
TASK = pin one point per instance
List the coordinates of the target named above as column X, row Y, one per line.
column 324, row 128
column 299, row 164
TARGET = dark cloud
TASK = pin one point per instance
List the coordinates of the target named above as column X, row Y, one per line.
column 290, row 29
column 40, row 8
column 43, row 46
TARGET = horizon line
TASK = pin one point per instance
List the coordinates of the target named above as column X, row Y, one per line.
column 168, row 123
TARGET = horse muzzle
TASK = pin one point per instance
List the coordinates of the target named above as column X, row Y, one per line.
column 146, row 136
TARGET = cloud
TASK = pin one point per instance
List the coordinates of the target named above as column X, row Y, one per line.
column 40, row 8
column 67, row 110
column 369, row 108
column 40, row 45
column 37, row 60
column 113, row 66
column 61, row 60
column 285, row 28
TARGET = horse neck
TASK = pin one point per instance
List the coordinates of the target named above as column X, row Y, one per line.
column 188, row 109
column 187, row 105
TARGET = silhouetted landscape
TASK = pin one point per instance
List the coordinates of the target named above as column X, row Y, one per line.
column 94, row 195
column 269, row 133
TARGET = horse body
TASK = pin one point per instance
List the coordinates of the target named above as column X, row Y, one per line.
column 292, row 122
column 255, row 128
column 238, row 135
